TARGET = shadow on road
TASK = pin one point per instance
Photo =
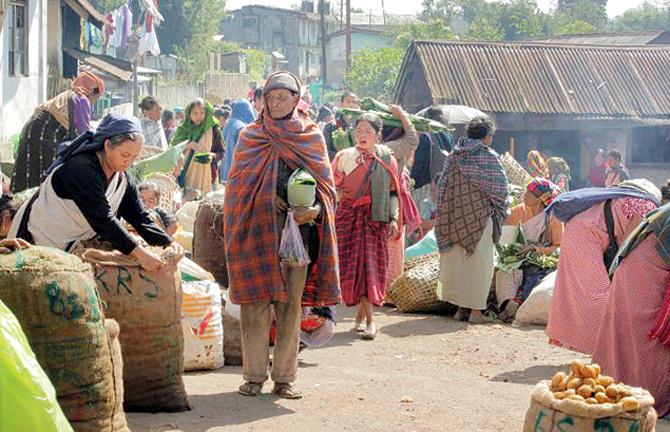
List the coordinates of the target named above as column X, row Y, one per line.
column 210, row 411
column 531, row 375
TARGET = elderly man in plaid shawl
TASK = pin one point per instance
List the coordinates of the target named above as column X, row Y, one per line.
column 472, row 205
column 280, row 141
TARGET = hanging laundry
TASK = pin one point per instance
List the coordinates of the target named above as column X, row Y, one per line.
column 127, row 23
column 83, row 36
column 108, row 34
column 149, row 42
column 94, row 38
column 151, row 6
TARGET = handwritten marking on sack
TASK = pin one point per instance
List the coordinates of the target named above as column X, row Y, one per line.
column 123, row 281
column 152, row 283
column 67, row 307
column 568, row 424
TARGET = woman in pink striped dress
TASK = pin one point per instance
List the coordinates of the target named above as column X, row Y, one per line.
column 582, row 281
column 633, row 344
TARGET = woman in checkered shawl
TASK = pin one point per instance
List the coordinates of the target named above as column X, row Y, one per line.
column 472, row 205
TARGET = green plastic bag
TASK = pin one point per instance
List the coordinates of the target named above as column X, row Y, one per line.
column 27, row 399
column 301, row 189
column 161, row 163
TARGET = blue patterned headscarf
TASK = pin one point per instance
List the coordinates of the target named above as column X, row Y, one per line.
column 90, row 141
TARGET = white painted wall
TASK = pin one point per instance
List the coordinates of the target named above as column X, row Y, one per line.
column 19, row 96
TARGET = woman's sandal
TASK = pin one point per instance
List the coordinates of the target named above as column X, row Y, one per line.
column 286, row 391
column 250, row 389
column 358, row 327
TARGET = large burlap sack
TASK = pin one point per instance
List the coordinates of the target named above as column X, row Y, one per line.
column 208, row 244
column 147, row 306
column 549, row 414
column 202, row 326
column 232, row 333
column 535, row 310
column 113, row 330
column 53, row 295
column 416, row 289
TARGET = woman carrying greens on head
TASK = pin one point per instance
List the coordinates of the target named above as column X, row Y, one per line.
column 197, row 168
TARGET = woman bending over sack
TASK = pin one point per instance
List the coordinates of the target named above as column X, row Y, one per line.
column 88, row 190
column 633, row 344
column 597, row 221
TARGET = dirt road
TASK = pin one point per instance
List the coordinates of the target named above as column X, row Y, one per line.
column 423, row 373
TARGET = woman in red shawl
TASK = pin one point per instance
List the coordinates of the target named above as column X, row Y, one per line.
column 268, row 150
column 59, row 119
column 366, row 177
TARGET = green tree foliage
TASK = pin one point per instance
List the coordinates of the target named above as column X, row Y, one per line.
column 174, row 31
column 588, row 11
column 435, row 29
column 647, row 16
column 202, row 19
column 374, row 72
column 514, row 20
column 444, row 10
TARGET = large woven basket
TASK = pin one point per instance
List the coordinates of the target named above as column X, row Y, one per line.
column 516, row 174
column 416, row 289
column 167, row 186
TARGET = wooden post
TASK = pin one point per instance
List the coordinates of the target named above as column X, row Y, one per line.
column 348, row 36
column 511, row 146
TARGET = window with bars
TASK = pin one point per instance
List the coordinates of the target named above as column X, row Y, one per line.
column 18, row 38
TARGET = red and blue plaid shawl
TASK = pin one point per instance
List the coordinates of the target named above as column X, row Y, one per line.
column 251, row 232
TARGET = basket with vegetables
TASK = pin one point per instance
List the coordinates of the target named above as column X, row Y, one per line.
column 420, row 123
column 343, row 139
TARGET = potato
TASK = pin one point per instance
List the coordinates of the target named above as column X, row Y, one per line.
column 589, row 382
column 557, row 380
column 576, row 398
column 612, row 392
column 569, row 392
column 598, row 389
column 575, row 383
column 559, row 395
column 605, row 380
column 585, row 391
column 564, row 384
column 576, row 367
column 596, row 367
column 591, row 401
column 588, row 371
column 601, row 398
column 630, row 403
column 625, row 391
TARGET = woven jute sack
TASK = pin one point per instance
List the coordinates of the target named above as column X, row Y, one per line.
column 147, row 306
column 516, row 174
column 547, row 413
column 53, row 295
column 208, row 244
column 113, row 330
column 416, row 289
column 232, row 337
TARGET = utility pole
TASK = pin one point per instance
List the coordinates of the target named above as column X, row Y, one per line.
column 324, row 65
column 384, row 13
column 348, row 35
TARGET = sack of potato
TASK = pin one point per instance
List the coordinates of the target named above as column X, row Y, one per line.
column 585, row 400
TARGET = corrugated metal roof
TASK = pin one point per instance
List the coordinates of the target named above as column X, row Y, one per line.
column 625, row 38
column 543, row 78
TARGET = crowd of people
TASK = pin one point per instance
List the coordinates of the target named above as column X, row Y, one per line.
column 371, row 202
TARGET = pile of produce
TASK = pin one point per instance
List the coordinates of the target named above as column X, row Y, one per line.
column 586, row 384
column 511, row 257
column 587, row 401
column 515, row 194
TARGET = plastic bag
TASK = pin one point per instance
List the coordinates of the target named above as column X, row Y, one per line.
column 301, row 189
column 28, row 399
column 292, row 251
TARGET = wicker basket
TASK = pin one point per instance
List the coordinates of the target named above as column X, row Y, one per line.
column 167, row 186
column 516, row 174
column 416, row 289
